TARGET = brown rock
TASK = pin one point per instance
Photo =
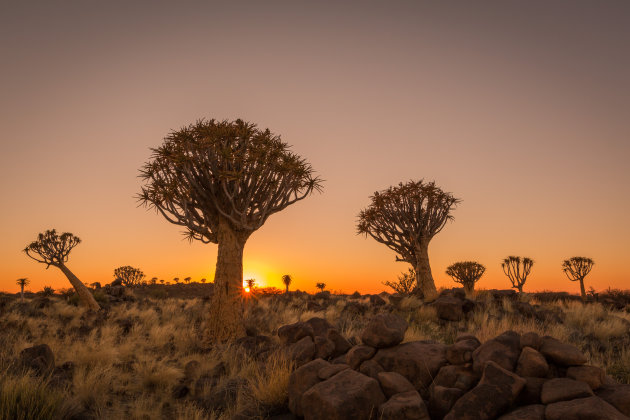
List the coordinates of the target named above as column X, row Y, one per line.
column 39, row 358
column 617, row 395
column 442, row 400
column 504, row 350
column 494, row 394
column 592, row 375
column 404, row 406
column 563, row 389
column 456, row 376
column 418, row 361
column 347, row 395
column 301, row 380
column 341, row 344
column 292, row 333
column 324, row 348
column 449, row 308
column 330, row 371
column 371, row 369
column 561, row 353
column 591, row 408
column 384, row 330
column 531, row 391
column 531, row 339
column 357, row 354
column 532, row 363
column 303, row 351
column 461, row 352
column 529, row 412
column 320, row 326
column 394, row 383
column 467, row 336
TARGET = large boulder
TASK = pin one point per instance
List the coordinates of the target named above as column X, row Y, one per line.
column 384, row 330
column 617, row 395
column 530, row 393
column 461, row 351
column 39, row 358
column 504, row 350
column 590, row 408
column 371, row 368
column 449, row 308
column 561, row 353
column 394, row 383
column 532, row 363
column 330, row 371
column 563, row 389
column 341, row 344
column 303, row 351
column 357, row 354
column 531, row 339
column 345, row 396
column 442, row 400
column 592, row 375
column 301, row 380
column 494, row 394
column 292, row 333
column 320, row 326
column 418, row 361
column 456, row 376
column 404, row 406
column 528, row 412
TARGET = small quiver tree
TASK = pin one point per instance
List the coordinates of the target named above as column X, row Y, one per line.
column 221, row 180
column 517, row 270
column 287, row 279
column 53, row 249
column 23, row 282
column 406, row 283
column 129, row 276
column 467, row 273
column 320, row 286
column 250, row 283
column 576, row 268
column 405, row 219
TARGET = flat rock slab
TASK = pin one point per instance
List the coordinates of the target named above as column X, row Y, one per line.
column 404, row 406
column 591, row 408
column 616, row 395
column 563, row 389
column 561, row 353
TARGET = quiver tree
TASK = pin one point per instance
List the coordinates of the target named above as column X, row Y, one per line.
column 250, row 284
column 517, row 270
column 220, row 181
column 406, row 283
column 23, row 282
column 576, row 269
column 467, row 273
column 287, row 279
column 405, row 218
column 128, row 275
column 53, row 249
column 320, row 286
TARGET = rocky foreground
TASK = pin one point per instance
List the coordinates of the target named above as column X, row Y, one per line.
column 510, row 377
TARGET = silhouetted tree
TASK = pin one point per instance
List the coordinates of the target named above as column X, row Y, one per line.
column 23, row 282
column 467, row 273
column 221, row 180
column 162, row 281
column 576, row 268
column 53, row 249
column 405, row 284
column 154, row 280
column 203, row 280
column 250, row 284
column 128, row 275
column 287, row 279
column 405, row 218
column 321, row 286
column 187, row 280
column 48, row 291
column 176, row 280
column 517, row 270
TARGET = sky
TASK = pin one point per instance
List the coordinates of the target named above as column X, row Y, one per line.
column 519, row 108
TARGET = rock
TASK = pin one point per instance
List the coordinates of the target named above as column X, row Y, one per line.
column 449, row 308
column 320, row 326
column 531, row 391
column 329, row 371
column 371, row 368
column 532, row 363
column 357, row 354
column 529, row 412
column 39, row 358
column 301, row 380
column 563, row 389
column 341, row 344
column 292, row 333
column 456, row 376
column 376, row 300
column 324, row 348
column 617, row 395
column 442, row 400
column 504, row 350
column 592, row 375
column 347, row 395
column 531, row 339
column 466, row 337
column 303, row 351
column 418, row 361
column 561, row 353
column 590, row 408
column 62, row 375
column 494, row 394
column 394, row 383
column 461, row 352
column 384, row 330
column 404, row 406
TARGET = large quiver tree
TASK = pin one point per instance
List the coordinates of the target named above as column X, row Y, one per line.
column 517, row 269
column 128, row 275
column 53, row 249
column 576, row 268
column 466, row 273
column 406, row 218
column 221, row 180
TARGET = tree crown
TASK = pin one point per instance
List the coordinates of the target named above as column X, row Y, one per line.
column 23, row 282
column 466, row 272
column 286, row 279
column 129, row 276
column 51, row 248
column 517, row 269
column 576, row 268
column 403, row 216
column 223, row 169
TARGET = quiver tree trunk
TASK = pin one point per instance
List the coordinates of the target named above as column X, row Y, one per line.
column 226, row 311
column 424, row 278
column 81, row 289
column 582, row 291
column 469, row 290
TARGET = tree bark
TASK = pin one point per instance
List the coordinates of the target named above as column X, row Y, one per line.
column 424, row 278
column 582, row 291
column 469, row 290
column 81, row 289
column 226, row 311
column 287, row 291
column 22, row 293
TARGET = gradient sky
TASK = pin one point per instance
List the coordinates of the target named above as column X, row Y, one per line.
column 519, row 108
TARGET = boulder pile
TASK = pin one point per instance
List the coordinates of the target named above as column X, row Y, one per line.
column 510, row 377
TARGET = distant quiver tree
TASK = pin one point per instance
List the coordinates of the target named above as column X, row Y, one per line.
column 53, row 249
column 517, row 269
column 576, row 268
column 321, row 286
column 23, row 282
column 220, row 181
column 467, row 273
column 406, row 283
column 287, row 279
column 128, row 275
column 405, row 218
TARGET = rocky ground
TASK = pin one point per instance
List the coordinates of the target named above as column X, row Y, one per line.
column 319, row 356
